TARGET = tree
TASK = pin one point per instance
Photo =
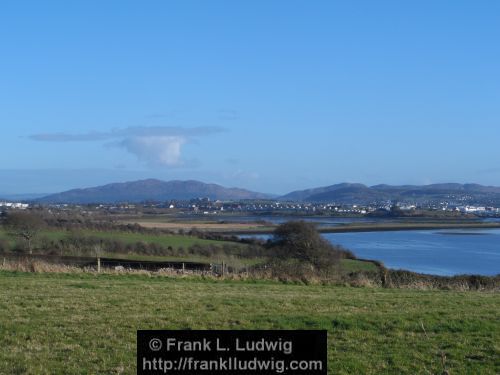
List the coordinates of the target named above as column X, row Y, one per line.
column 25, row 225
column 396, row 210
column 300, row 240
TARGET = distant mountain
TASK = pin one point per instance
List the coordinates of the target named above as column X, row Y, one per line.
column 362, row 194
column 151, row 190
column 321, row 192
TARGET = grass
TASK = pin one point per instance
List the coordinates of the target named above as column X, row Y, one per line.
column 175, row 241
column 86, row 323
column 172, row 240
column 353, row 265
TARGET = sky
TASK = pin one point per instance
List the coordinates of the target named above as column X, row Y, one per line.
column 271, row 96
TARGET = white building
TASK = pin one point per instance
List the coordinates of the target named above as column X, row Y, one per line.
column 20, row 206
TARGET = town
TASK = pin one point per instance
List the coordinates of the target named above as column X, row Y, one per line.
column 206, row 206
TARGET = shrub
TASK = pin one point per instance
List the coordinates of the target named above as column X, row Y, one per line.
column 301, row 241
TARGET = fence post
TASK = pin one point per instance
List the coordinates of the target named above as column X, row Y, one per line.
column 98, row 264
column 183, row 267
column 223, row 268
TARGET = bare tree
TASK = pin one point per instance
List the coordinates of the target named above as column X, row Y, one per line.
column 25, row 225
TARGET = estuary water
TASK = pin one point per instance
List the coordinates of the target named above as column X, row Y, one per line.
column 436, row 252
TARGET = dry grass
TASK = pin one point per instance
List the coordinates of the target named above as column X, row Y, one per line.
column 39, row 266
column 393, row 279
column 187, row 226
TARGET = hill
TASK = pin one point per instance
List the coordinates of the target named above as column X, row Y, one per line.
column 359, row 193
column 150, row 190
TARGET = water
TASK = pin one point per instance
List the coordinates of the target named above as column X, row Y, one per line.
column 437, row 252
column 320, row 221
column 443, row 252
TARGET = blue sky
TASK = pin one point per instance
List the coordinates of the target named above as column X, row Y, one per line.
column 272, row 96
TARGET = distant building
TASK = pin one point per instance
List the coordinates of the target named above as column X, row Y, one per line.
column 19, row 206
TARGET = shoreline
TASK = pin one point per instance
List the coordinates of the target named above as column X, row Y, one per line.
column 352, row 228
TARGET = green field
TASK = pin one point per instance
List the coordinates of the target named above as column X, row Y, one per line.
column 230, row 260
column 353, row 265
column 86, row 323
column 173, row 240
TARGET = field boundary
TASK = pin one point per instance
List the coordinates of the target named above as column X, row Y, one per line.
column 106, row 262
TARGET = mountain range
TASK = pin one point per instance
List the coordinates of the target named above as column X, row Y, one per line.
column 362, row 194
column 348, row 193
column 151, row 190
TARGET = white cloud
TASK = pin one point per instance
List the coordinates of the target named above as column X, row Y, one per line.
column 161, row 150
column 154, row 145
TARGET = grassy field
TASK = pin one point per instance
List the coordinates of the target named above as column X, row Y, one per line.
column 257, row 228
column 231, row 261
column 176, row 241
column 202, row 226
column 173, row 240
column 354, row 265
column 86, row 324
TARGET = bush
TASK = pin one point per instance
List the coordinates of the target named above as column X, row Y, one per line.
column 301, row 241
